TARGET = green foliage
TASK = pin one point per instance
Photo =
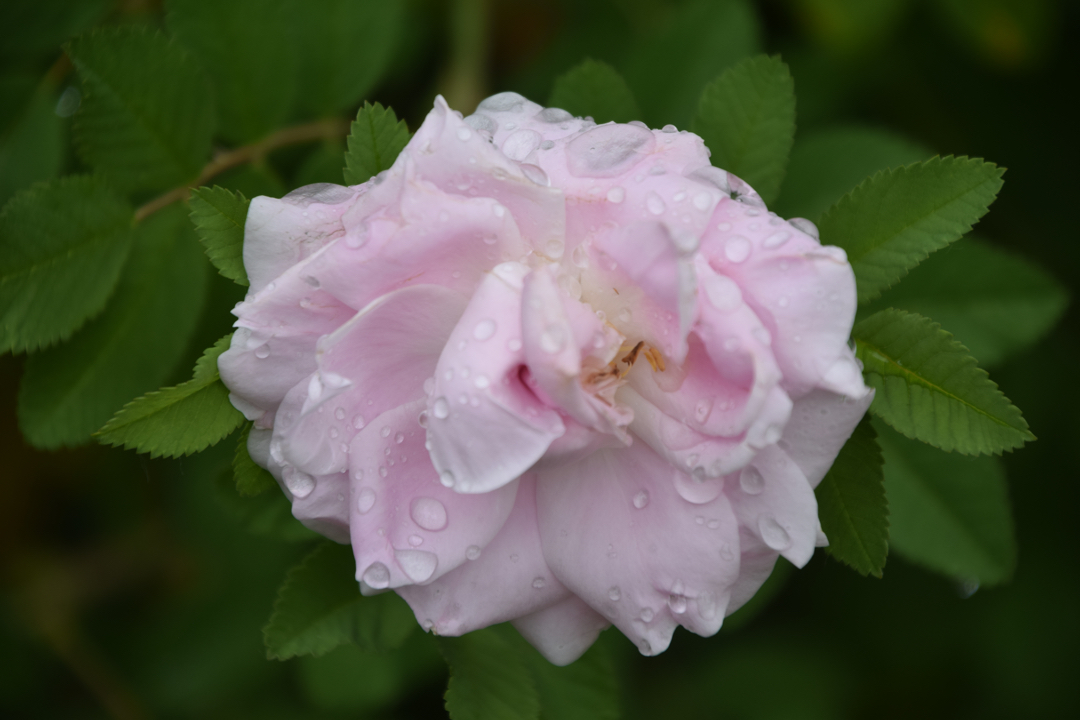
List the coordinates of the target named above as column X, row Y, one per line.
column 488, row 679
column 320, row 607
column 146, row 117
column 852, row 506
column 251, row 479
column 697, row 42
column 583, row 690
column 181, row 420
column 247, row 50
column 996, row 301
column 69, row 391
column 828, row 164
column 376, row 138
column 595, row 89
column 267, row 516
column 345, row 48
column 34, row 30
column 931, row 389
column 62, row 246
column 747, row 119
column 31, row 134
column 949, row 513
column 325, row 164
column 219, row 216
column 894, row 220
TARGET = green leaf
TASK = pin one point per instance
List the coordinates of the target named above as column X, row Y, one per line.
column 894, row 220
column 931, row 389
column 320, row 607
column 488, row 679
column 595, row 89
column 586, row 689
column 251, row 479
column 146, row 116
column 181, row 420
column 268, row 515
column 32, row 31
column 31, row 135
column 247, row 50
column 347, row 46
column 851, row 503
column 828, row 164
column 747, row 119
column 62, row 246
column 948, row 512
column 71, row 390
column 698, row 41
column 376, row 138
column 219, row 216
column 998, row 302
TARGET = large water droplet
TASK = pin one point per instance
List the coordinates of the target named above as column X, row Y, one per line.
column 419, row 565
column 677, row 603
column 553, row 115
column 776, row 239
column 447, row 478
column 440, row 408
column 262, row 352
column 641, row 499
column 520, row 144
column 804, row 225
column 607, row 150
column 535, row 174
column 737, row 249
column 299, row 483
column 365, row 500
column 358, row 422
column 502, row 102
column 655, row 204
column 484, row 329
column 773, row 533
column 751, row 480
column 616, row 194
column 464, row 133
column 377, row 576
column 428, row 513
column 553, row 338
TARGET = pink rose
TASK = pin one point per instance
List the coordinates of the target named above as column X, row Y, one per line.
column 551, row 372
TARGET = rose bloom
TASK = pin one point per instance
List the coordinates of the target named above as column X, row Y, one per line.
column 549, row 372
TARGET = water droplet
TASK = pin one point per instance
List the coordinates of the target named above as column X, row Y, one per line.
column 520, row 144
column 700, row 520
column 751, row 480
column 702, row 201
column 607, row 150
column 539, row 583
column 464, row 133
column 655, row 204
column 624, row 315
column 647, row 615
column 805, row 226
column 447, row 478
column 614, row 593
column 422, row 419
column 553, row 338
column 300, row 484
column 616, row 194
column 713, row 524
column 383, row 472
column 365, row 500
column 416, row 540
column 677, row 603
column 513, row 345
column 723, row 293
column 702, row 410
column 669, row 129
column 262, row 352
column 385, row 432
column 776, row 239
column 334, row 433
column 484, row 329
column 737, row 249
column 419, row 565
column 773, row 533
column 472, row 552
column 726, row 553
column 358, row 474
column 358, row 422
column 535, row 174
column 440, row 408
column 377, row 576
column 641, row 499
column 428, row 513
column 724, row 227
column 481, row 382
column 499, row 210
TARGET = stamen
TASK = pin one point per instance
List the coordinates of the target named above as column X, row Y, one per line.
column 656, row 360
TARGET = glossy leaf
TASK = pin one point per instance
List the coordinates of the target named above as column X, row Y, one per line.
column 376, row 138
column 586, row 689
column 894, row 220
column 931, row 389
column 747, row 119
column 597, row 90
column 62, row 246
column 219, row 216
column 852, row 506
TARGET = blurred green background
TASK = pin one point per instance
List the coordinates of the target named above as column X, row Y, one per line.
column 133, row 588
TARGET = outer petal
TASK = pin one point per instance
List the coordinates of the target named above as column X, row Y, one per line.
column 407, row 527
column 487, row 427
column 616, row 533
column 821, row 422
column 503, row 581
column 563, row 632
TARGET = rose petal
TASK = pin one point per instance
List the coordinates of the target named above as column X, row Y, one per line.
column 563, row 632
column 821, row 422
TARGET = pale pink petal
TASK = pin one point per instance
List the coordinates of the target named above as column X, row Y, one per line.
column 756, row 563
column 616, row 532
column 821, row 422
column 486, row 427
column 504, row 580
column 407, row 527
column 563, row 632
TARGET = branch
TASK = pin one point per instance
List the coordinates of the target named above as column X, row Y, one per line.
column 296, row 135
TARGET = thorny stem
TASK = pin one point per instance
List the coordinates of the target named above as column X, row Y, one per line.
column 296, row 135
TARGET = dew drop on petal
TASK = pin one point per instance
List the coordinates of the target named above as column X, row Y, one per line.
column 299, row 483
column 702, row 201
column 553, row 339
column 776, row 239
column 383, row 472
column 472, row 552
column 726, row 553
column 520, row 144
column 377, row 576
column 702, row 410
column 804, row 225
column 419, row 565
column 365, row 500
column 535, row 174
column 481, row 382
column 647, row 615
column 737, row 249
column 539, row 583
column 447, row 478
column 655, row 204
column 484, row 329
column 428, row 513
column 440, row 408
column 677, row 603
column 614, row 593
column 385, row 432
column 416, row 540
column 773, row 533
column 340, row 413
column 262, row 352
column 724, row 227
column 464, row 133
column 641, row 499
column 751, row 480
